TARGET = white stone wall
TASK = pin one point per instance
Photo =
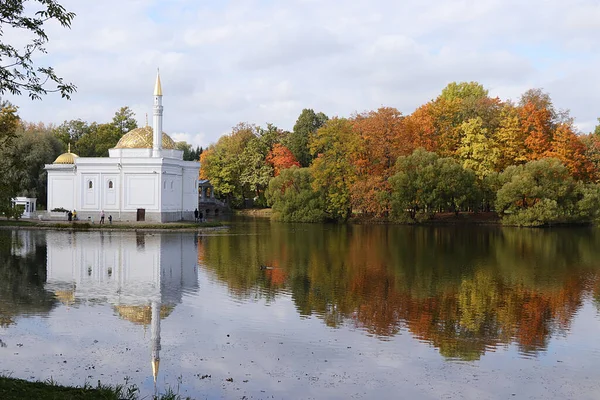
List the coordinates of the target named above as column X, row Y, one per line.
column 164, row 187
column 62, row 189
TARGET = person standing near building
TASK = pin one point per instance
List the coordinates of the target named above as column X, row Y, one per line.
column 74, row 215
column 102, row 217
column 196, row 215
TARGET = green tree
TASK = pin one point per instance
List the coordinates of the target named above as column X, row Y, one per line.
column 188, row 152
column 20, row 73
column 413, row 185
column 124, row 120
column 597, row 128
column 33, row 147
column 425, row 183
column 463, row 90
column 455, row 186
column 332, row 169
column 71, row 131
column 540, row 192
column 293, row 198
column 298, row 140
column 9, row 186
column 221, row 164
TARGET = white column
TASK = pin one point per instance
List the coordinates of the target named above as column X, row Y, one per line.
column 157, row 116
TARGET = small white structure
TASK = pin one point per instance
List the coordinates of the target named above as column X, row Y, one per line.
column 143, row 179
column 28, row 204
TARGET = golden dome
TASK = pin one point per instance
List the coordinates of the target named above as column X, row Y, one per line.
column 141, row 315
column 66, row 158
column 141, row 138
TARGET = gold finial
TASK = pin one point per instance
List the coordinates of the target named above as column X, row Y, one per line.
column 155, row 364
column 157, row 86
column 69, row 148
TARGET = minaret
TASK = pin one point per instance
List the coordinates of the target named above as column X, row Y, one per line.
column 157, row 118
column 155, row 329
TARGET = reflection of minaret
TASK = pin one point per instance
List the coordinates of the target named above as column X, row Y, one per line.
column 155, row 329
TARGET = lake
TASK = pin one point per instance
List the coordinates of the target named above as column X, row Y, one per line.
column 286, row 311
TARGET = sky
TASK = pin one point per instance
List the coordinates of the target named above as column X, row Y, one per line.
column 263, row 61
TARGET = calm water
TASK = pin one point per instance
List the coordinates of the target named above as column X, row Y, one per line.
column 338, row 312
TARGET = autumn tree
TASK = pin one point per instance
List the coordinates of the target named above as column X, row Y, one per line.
column 458, row 103
column 420, row 129
column 20, row 72
column 333, row 171
column 570, row 150
column 478, row 151
column 381, row 139
column 538, row 117
column 510, row 138
column 280, row 158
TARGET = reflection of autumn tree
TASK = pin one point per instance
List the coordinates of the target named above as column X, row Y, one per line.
column 462, row 290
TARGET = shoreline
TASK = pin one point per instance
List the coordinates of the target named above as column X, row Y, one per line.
column 115, row 227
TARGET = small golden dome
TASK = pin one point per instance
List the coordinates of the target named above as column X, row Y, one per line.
column 66, row 158
column 141, row 138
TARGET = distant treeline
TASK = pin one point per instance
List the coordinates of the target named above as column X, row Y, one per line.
column 463, row 151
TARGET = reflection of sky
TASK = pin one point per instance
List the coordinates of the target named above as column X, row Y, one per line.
column 284, row 355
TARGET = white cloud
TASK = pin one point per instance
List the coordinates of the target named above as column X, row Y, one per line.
column 261, row 61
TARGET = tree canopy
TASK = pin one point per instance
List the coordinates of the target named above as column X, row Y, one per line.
column 19, row 71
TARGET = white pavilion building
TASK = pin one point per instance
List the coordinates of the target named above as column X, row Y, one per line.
column 144, row 178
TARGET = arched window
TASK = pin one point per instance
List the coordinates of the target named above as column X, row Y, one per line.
column 164, row 184
column 90, row 185
column 110, row 184
column 171, row 185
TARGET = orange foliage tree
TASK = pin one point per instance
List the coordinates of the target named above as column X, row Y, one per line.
column 381, row 140
column 571, row 151
column 280, row 157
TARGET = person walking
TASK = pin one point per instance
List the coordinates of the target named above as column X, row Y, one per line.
column 110, row 219
column 74, row 215
column 69, row 216
column 196, row 215
column 101, row 217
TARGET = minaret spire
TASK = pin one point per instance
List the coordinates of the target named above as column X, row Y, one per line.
column 157, row 118
column 157, row 86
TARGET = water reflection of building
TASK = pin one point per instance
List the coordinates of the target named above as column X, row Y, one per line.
column 143, row 276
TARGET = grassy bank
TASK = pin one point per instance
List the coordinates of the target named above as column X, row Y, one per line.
column 254, row 212
column 19, row 389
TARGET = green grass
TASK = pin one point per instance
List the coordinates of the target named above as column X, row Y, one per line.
column 18, row 389
column 12, row 222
